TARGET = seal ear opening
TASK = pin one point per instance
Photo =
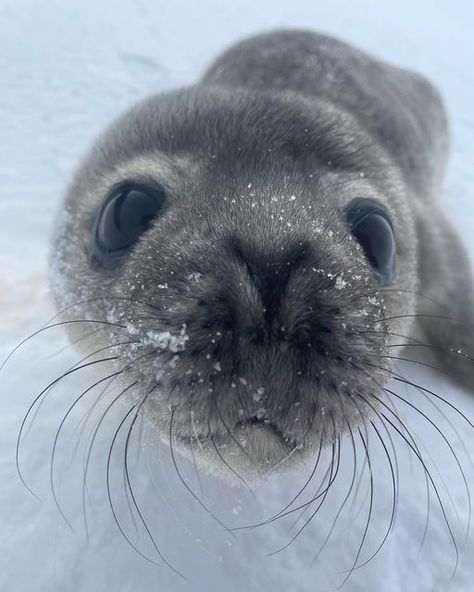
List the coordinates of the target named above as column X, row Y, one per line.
column 445, row 310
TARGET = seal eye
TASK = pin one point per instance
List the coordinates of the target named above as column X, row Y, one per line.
column 125, row 215
column 370, row 224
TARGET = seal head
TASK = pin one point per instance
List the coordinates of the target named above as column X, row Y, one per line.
column 252, row 255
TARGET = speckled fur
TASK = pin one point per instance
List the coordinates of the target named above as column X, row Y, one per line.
column 265, row 152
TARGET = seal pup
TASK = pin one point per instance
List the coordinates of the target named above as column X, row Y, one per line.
column 255, row 250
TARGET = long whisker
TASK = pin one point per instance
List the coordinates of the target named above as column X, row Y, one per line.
column 91, row 446
column 30, row 408
column 62, row 323
column 307, row 482
column 127, row 474
column 346, row 498
column 186, row 485
column 369, row 516
column 428, row 473
column 404, row 380
column 332, row 478
column 418, row 455
column 56, row 439
column 319, row 493
column 394, row 413
column 78, row 363
column 230, row 467
column 109, row 493
column 463, row 475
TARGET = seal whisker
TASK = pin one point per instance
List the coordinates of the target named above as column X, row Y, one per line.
column 231, row 433
column 308, row 480
column 418, row 387
column 221, row 457
column 186, row 485
column 394, row 412
column 32, row 405
column 109, row 493
column 413, row 446
column 453, row 452
column 78, row 434
column 332, row 477
column 56, row 439
column 130, row 488
column 441, row 505
column 74, row 342
column 369, row 516
column 91, row 446
column 423, row 364
column 394, row 500
column 318, row 492
column 346, row 497
column 194, row 437
column 78, row 363
column 53, row 326
column 427, row 316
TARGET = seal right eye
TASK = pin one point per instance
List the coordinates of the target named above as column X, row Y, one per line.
column 370, row 224
column 125, row 215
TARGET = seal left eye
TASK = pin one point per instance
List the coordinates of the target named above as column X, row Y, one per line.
column 125, row 215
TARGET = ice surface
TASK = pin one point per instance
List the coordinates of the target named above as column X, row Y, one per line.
column 66, row 69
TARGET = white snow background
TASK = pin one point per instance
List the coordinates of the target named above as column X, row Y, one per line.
column 66, row 68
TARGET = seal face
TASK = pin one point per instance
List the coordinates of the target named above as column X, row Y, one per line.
column 251, row 254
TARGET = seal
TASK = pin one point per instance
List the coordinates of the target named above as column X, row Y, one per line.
column 254, row 251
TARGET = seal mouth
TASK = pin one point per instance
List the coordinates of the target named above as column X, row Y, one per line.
column 252, row 447
column 259, row 422
column 253, row 425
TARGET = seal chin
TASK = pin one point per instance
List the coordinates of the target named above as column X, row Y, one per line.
column 264, row 441
column 252, row 449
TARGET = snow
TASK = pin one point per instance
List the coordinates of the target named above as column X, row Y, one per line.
column 67, row 69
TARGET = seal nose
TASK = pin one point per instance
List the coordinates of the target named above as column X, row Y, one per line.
column 269, row 272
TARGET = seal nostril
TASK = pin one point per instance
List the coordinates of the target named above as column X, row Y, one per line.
column 255, row 420
column 269, row 272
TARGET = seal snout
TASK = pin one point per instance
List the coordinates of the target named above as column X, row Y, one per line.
column 263, row 285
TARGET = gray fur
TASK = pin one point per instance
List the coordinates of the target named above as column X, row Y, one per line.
column 265, row 152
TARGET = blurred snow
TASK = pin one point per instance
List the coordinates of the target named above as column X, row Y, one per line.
column 66, row 69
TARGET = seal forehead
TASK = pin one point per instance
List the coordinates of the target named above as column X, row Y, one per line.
column 239, row 129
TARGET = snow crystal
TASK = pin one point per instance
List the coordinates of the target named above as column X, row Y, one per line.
column 258, row 395
column 165, row 340
column 340, row 283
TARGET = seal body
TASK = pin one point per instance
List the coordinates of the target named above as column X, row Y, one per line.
column 246, row 317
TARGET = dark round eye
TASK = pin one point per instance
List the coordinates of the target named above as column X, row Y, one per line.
column 370, row 224
column 125, row 215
